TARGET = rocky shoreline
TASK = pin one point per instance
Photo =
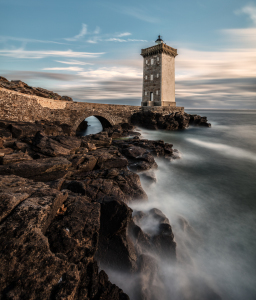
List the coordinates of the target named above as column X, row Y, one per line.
column 64, row 213
column 64, row 209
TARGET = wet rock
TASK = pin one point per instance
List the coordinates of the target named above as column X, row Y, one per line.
column 100, row 185
column 149, row 176
column 154, row 148
column 198, row 120
column 116, row 249
column 156, row 225
column 173, row 121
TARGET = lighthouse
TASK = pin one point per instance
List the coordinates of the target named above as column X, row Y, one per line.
column 158, row 75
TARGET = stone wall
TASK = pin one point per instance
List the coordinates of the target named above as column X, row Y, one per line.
column 152, row 86
column 17, row 107
column 168, row 79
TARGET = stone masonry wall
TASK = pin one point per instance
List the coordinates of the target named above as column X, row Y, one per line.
column 17, row 107
column 154, row 85
column 168, row 78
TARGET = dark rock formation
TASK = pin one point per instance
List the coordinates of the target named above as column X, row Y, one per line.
column 64, row 212
column 22, row 87
column 174, row 121
column 48, row 241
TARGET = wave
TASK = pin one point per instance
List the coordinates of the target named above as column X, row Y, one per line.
column 224, row 149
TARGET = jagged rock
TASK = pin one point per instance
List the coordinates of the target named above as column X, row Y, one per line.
column 59, row 145
column 116, row 249
column 173, row 121
column 149, row 176
column 22, row 87
column 109, row 158
column 156, row 148
column 44, row 169
column 14, row 158
column 26, row 129
column 99, row 140
column 47, row 254
column 100, row 185
column 160, row 232
column 6, row 151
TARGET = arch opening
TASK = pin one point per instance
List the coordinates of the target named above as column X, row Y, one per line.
column 92, row 125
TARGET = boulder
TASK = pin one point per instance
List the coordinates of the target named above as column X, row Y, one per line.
column 173, row 121
column 47, row 244
column 55, row 146
column 14, row 158
column 44, row 169
column 101, row 185
column 116, row 250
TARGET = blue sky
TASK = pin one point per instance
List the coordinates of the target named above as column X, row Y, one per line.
column 90, row 50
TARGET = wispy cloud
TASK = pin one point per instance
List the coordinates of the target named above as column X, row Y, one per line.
column 250, row 10
column 115, row 40
column 124, row 34
column 74, row 62
column 25, row 40
column 97, row 30
column 29, row 76
column 37, row 54
column 81, row 34
column 73, row 69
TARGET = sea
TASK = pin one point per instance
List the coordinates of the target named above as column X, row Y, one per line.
column 212, row 188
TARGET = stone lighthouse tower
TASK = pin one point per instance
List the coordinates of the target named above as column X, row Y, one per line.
column 159, row 75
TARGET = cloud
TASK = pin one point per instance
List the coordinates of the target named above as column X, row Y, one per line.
column 73, row 62
column 37, row 54
column 81, row 34
column 250, row 10
column 124, row 34
column 29, row 76
column 135, row 40
column 97, row 30
column 241, row 36
column 25, row 40
column 115, row 40
column 73, row 69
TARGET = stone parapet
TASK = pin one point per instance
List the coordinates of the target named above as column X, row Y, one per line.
column 159, row 49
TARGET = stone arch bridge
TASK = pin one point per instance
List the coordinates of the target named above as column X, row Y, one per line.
column 15, row 106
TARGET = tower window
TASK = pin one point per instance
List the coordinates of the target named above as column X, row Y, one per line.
column 152, row 61
column 156, row 92
column 146, row 77
column 146, row 61
column 146, row 93
column 157, row 75
column 151, row 77
column 157, row 58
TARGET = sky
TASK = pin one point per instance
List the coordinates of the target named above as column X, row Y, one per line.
column 90, row 50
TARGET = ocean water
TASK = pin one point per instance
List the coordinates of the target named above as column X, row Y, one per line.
column 213, row 188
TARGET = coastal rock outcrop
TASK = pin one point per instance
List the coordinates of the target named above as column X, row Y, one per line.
column 174, row 121
column 64, row 213
column 22, row 87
